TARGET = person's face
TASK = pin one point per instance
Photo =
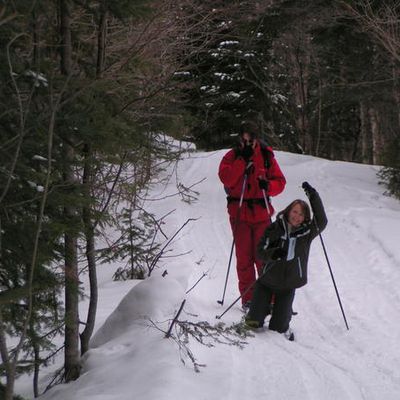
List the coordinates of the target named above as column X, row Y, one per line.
column 296, row 216
column 247, row 140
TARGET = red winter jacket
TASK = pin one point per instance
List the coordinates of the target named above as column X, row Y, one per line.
column 232, row 171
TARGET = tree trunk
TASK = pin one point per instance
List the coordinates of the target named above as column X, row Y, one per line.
column 396, row 97
column 90, row 255
column 36, row 370
column 365, row 134
column 87, row 214
column 300, row 60
column 101, row 41
column 318, row 141
column 71, row 350
column 10, row 375
column 377, row 147
column 36, row 39
column 355, row 149
column 66, row 43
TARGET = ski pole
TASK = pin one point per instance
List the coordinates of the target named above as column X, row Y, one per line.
column 270, row 221
column 227, row 272
column 228, row 308
column 333, row 279
column 247, row 289
column 329, row 264
column 267, row 205
column 233, row 241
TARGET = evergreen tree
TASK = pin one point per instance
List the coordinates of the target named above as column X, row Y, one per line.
column 228, row 75
column 63, row 130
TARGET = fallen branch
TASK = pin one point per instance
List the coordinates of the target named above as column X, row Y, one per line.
column 168, row 334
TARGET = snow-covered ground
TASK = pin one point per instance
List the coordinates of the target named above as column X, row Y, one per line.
column 131, row 359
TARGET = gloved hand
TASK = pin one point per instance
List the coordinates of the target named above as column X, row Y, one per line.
column 263, row 184
column 308, row 189
column 279, row 253
column 246, row 153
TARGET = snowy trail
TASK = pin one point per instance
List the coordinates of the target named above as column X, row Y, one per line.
column 130, row 360
column 326, row 361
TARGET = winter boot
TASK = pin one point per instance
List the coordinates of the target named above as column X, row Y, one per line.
column 289, row 335
column 251, row 324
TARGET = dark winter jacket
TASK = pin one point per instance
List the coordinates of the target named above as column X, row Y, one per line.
column 285, row 253
column 231, row 173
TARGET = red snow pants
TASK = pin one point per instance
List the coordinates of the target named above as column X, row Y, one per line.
column 247, row 236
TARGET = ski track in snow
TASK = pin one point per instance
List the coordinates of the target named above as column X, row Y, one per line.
column 326, row 361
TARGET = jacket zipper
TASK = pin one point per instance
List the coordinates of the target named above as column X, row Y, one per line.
column 299, row 265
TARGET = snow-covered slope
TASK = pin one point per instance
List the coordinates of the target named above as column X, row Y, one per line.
column 131, row 359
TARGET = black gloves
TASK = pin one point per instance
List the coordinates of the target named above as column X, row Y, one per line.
column 308, row 189
column 263, row 184
column 246, row 153
column 279, row 253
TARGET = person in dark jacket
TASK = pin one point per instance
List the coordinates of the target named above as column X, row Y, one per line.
column 284, row 248
column 249, row 173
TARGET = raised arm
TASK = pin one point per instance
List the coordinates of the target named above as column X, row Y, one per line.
column 320, row 219
column 231, row 169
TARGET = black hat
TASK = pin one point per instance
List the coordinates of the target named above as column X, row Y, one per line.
column 251, row 128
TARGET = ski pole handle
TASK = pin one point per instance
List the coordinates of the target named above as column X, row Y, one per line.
column 266, row 203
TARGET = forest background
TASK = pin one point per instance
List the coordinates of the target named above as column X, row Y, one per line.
column 92, row 93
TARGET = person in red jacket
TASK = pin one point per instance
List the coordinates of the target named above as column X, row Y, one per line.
column 250, row 174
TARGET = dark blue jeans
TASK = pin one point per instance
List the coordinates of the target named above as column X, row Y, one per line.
column 261, row 307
